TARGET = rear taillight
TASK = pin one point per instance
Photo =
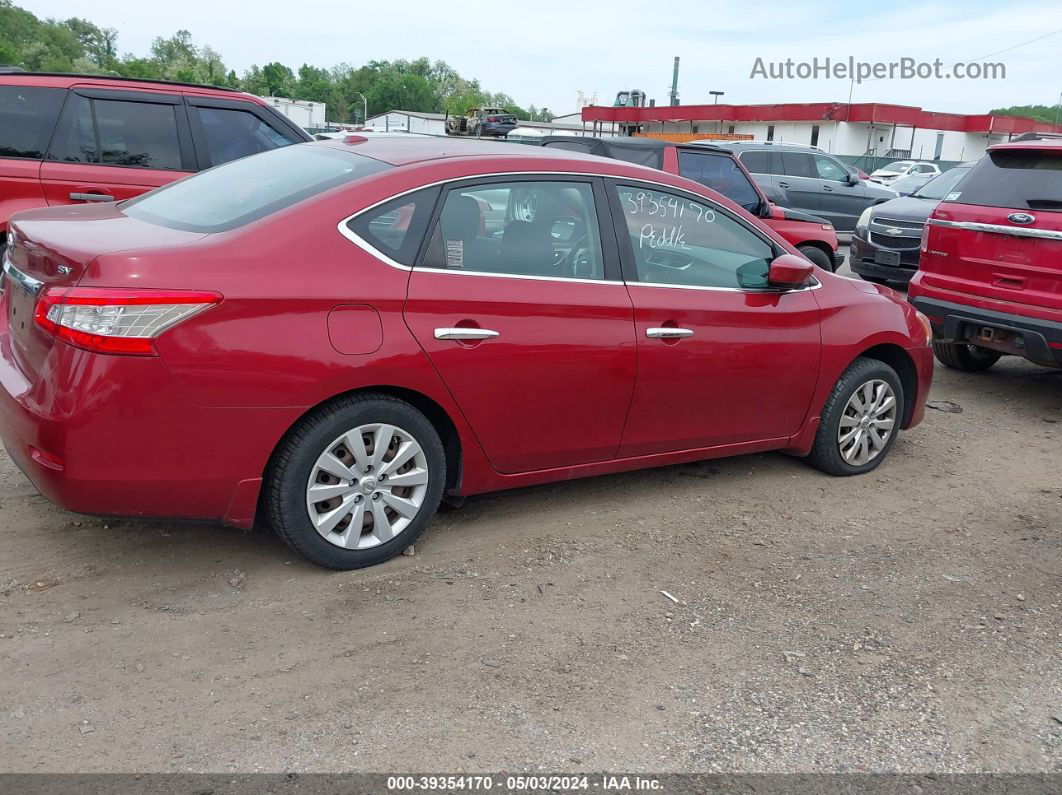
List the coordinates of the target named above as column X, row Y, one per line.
column 923, row 244
column 491, row 118
column 116, row 320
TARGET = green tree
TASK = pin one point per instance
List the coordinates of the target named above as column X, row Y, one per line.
column 1047, row 113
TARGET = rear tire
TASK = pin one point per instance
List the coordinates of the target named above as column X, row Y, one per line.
column 818, row 256
column 960, row 356
column 868, row 389
column 331, row 491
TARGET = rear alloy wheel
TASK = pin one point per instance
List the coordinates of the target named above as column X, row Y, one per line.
column 860, row 420
column 357, row 483
column 960, row 356
column 818, row 256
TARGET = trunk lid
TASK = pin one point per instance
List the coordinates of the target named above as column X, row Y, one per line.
column 999, row 234
column 53, row 247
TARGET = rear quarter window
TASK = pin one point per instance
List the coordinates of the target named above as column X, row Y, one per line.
column 27, row 118
column 1023, row 179
column 247, row 190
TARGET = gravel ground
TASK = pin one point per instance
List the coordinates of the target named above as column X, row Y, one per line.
column 907, row 620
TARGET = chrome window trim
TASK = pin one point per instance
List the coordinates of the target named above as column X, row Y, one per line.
column 366, row 246
column 999, row 229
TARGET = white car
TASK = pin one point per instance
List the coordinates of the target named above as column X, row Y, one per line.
column 888, row 174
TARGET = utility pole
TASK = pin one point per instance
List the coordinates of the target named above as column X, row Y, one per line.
column 365, row 108
column 1058, row 107
column 674, row 83
column 716, row 95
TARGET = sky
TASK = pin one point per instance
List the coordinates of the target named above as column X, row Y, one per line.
column 543, row 53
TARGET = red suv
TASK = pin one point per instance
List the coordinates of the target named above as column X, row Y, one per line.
column 990, row 272
column 337, row 334
column 722, row 171
column 74, row 139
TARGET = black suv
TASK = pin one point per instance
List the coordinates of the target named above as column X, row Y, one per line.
column 887, row 236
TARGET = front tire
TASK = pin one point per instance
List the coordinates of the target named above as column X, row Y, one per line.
column 960, row 356
column 818, row 256
column 860, row 421
column 356, row 482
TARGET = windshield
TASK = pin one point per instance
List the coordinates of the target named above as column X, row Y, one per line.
column 899, row 165
column 909, row 184
column 939, row 187
column 246, row 190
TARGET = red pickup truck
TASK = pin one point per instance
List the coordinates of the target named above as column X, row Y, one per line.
column 720, row 170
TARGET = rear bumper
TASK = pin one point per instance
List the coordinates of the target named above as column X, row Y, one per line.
column 114, row 435
column 1035, row 339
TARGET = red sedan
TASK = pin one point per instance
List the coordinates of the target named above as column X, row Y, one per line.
column 338, row 335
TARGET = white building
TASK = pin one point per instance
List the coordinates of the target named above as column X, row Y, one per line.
column 308, row 115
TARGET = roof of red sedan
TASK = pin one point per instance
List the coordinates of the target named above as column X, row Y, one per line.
column 400, row 151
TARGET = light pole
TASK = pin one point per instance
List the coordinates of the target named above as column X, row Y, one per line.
column 716, row 95
column 365, row 109
column 1058, row 107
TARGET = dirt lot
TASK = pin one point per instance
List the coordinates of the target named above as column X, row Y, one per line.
column 906, row 620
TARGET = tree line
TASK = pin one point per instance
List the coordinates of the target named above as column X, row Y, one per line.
column 1049, row 113
column 79, row 46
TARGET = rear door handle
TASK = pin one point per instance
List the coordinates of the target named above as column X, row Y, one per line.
column 668, row 332
column 91, row 197
column 464, row 334
column 783, row 184
column 827, row 188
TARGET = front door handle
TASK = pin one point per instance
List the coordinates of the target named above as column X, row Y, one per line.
column 464, row 333
column 783, row 184
column 91, row 197
column 668, row 332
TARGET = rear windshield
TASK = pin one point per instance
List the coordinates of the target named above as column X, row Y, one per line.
column 246, row 190
column 1023, row 179
column 938, row 187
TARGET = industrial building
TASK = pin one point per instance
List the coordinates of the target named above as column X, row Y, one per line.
column 861, row 130
column 308, row 115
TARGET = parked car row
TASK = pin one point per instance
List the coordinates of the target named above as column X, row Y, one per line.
column 337, row 335
column 719, row 169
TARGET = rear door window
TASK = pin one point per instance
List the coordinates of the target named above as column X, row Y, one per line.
column 27, row 118
column 757, row 162
column 1024, row 179
column 230, row 134
column 118, row 133
column 722, row 174
column 798, row 164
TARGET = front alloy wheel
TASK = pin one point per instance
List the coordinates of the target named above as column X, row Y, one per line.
column 867, row 422
column 860, row 420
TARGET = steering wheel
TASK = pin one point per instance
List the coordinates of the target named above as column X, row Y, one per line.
column 576, row 263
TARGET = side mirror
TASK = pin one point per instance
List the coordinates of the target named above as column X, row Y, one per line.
column 789, row 272
column 853, row 179
column 775, row 212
